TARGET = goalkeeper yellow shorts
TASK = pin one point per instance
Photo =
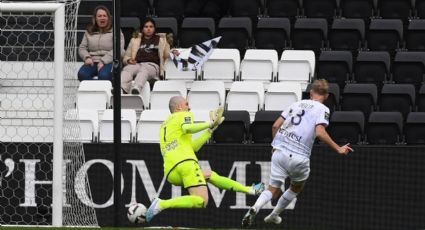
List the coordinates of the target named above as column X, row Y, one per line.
column 187, row 174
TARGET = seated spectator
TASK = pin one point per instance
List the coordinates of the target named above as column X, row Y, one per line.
column 144, row 58
column 96, row 48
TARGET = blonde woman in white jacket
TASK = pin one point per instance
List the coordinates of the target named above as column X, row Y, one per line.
column 96, row 48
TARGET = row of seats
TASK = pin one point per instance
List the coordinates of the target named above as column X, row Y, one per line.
column 306, row 33
column 329, row 9
column 345, row 127
column 367, row 98
column 203, row 95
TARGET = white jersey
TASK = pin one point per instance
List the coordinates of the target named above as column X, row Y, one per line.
column 297, row 133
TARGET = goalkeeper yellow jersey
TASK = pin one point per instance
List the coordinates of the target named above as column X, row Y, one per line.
column 175, row 144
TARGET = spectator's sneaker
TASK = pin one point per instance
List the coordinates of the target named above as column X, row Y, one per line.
column 273, row 219
column 135, row 91
column 153, row 210
column 257, row 189
column 249, row 217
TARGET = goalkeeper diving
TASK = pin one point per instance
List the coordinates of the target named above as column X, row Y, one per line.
column 181, row 166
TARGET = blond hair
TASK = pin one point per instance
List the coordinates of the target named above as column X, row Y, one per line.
column 320, row 87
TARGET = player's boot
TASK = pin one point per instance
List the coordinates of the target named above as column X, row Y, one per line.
column 249, row 217
column 273, row 219
column 152, row 210
column 257, row 189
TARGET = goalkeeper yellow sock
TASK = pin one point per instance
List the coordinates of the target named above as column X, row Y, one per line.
column 188, row 201
column 227, row 184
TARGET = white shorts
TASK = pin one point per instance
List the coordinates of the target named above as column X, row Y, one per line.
column 284, row 164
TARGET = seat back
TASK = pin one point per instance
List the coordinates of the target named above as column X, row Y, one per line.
column 94, row 95
column 262, row 126
column 206, row 95
column 128, row 126
column 234, row 129
column 149, row 124
column 280, row 95
column 384, row 128
column 164, row 90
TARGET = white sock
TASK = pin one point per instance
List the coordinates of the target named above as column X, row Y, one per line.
column 284, row 201
column 264, row 197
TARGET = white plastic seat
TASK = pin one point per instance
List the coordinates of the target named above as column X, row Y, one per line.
column 259, row 65
column 136, row 102
column 282, row 94
column 94, row 95
column 246, row 95
column 297, row 65
column 88, row 122
column 172, row 73
column 223, row 65
column 164, row 90
column 149, row 124
column 128, row 125
column 206, row 95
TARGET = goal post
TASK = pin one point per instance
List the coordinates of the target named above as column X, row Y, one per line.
column 62, row 82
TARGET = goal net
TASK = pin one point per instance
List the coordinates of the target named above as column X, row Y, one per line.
column 41, row 152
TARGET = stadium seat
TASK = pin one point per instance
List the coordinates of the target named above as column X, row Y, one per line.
column 332, row 102
column 136, row 102
column 420, row 8
column 281, row 94
column 162, row 92
column 259, row 65
column 310, row 34
column 139, row 8
column 246, row 95
column 384, row 128
column 273, row 33
column 320, row 9
column 167, row 25
column 210, row 8
column 359, row 97
column 421, row 99
column 397, row 97
column 88, row 121
column 149, row 124
column 87, row 7
column 346, row 127
column 385, row 35
column 372, row 67
column 128, row 26
column 196, row 30
column 172, row 73
column 94, row 95
column 415, row 35
column 363, row 9
column 234, row 129
column 414, row 130
column 347, row 34
column 395, row 9
column 245, row 8
column 166, row 8
column 235, row 33
column 335, row 67
column 261, row 128
column 206, row 95
column 128, row 126
column 297, row 65
column 222, row 65
column 283, row 8
column 409, row 67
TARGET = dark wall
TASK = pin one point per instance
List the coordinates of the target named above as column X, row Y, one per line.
column 372, row 188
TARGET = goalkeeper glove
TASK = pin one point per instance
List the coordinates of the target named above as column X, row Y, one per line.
column 216, row 118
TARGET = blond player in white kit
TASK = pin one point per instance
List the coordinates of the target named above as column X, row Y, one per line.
column 294, row 133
